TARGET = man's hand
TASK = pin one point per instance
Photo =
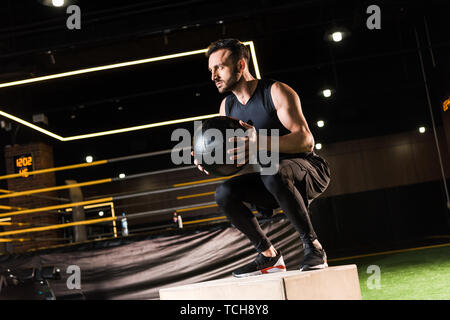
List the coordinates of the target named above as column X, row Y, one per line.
column 243, row 152
column 198, row 165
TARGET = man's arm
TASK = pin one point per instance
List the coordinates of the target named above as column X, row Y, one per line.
column 289, row 111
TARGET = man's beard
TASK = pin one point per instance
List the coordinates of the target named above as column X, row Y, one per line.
column 230, row 84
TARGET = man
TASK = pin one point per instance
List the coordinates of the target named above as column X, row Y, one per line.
column 302, row 174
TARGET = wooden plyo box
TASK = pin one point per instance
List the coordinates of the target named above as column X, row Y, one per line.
column 333, row 283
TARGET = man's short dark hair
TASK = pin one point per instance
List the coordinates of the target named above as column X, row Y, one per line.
column 237, row 48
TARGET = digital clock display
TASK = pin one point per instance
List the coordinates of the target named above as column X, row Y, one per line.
column 23, row 163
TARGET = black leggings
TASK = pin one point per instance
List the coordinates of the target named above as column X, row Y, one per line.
column 297, row 182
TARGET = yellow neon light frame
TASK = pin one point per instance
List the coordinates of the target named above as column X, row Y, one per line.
column 113, row 212
column 108, row 67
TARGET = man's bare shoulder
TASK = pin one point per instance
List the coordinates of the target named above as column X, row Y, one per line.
column 281, row 88
column 281, row 93
column 222, row 107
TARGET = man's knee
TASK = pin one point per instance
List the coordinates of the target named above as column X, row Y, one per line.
column 224, row 194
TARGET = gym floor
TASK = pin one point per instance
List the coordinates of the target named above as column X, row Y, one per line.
column 421, row 273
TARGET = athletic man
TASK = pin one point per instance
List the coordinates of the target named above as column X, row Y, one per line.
column 302, row 175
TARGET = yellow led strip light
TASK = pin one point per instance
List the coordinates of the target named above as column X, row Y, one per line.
column 115, row 66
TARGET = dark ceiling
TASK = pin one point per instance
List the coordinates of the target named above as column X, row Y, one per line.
column 375, row 74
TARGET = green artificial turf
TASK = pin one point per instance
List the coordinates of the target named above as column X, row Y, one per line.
column 414, row 275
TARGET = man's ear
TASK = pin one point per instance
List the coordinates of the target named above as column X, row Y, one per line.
column 241, row 65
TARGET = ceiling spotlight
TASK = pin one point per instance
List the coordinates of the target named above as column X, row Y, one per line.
column 57, row 3
column 326, row 93
column 320, row 123
column 89, row 159
column 122, row 175
column 422, row 129
column 336, row 36
column 101, row 213
column 318, row 146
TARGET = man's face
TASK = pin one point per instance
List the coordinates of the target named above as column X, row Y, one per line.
column 223, row 70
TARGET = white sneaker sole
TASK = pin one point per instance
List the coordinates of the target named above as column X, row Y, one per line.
column 279, row 266
column 317, row 267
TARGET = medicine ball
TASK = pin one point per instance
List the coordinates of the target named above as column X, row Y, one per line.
column 209, row 145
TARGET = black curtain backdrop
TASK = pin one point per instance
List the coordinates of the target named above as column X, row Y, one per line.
column 137, row 270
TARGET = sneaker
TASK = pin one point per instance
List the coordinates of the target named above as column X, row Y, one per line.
column 315, row 259
column 262, row 265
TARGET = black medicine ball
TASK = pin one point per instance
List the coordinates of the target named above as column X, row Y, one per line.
column 209, row 143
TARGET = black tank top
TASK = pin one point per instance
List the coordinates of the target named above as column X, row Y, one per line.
column 260, row 112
